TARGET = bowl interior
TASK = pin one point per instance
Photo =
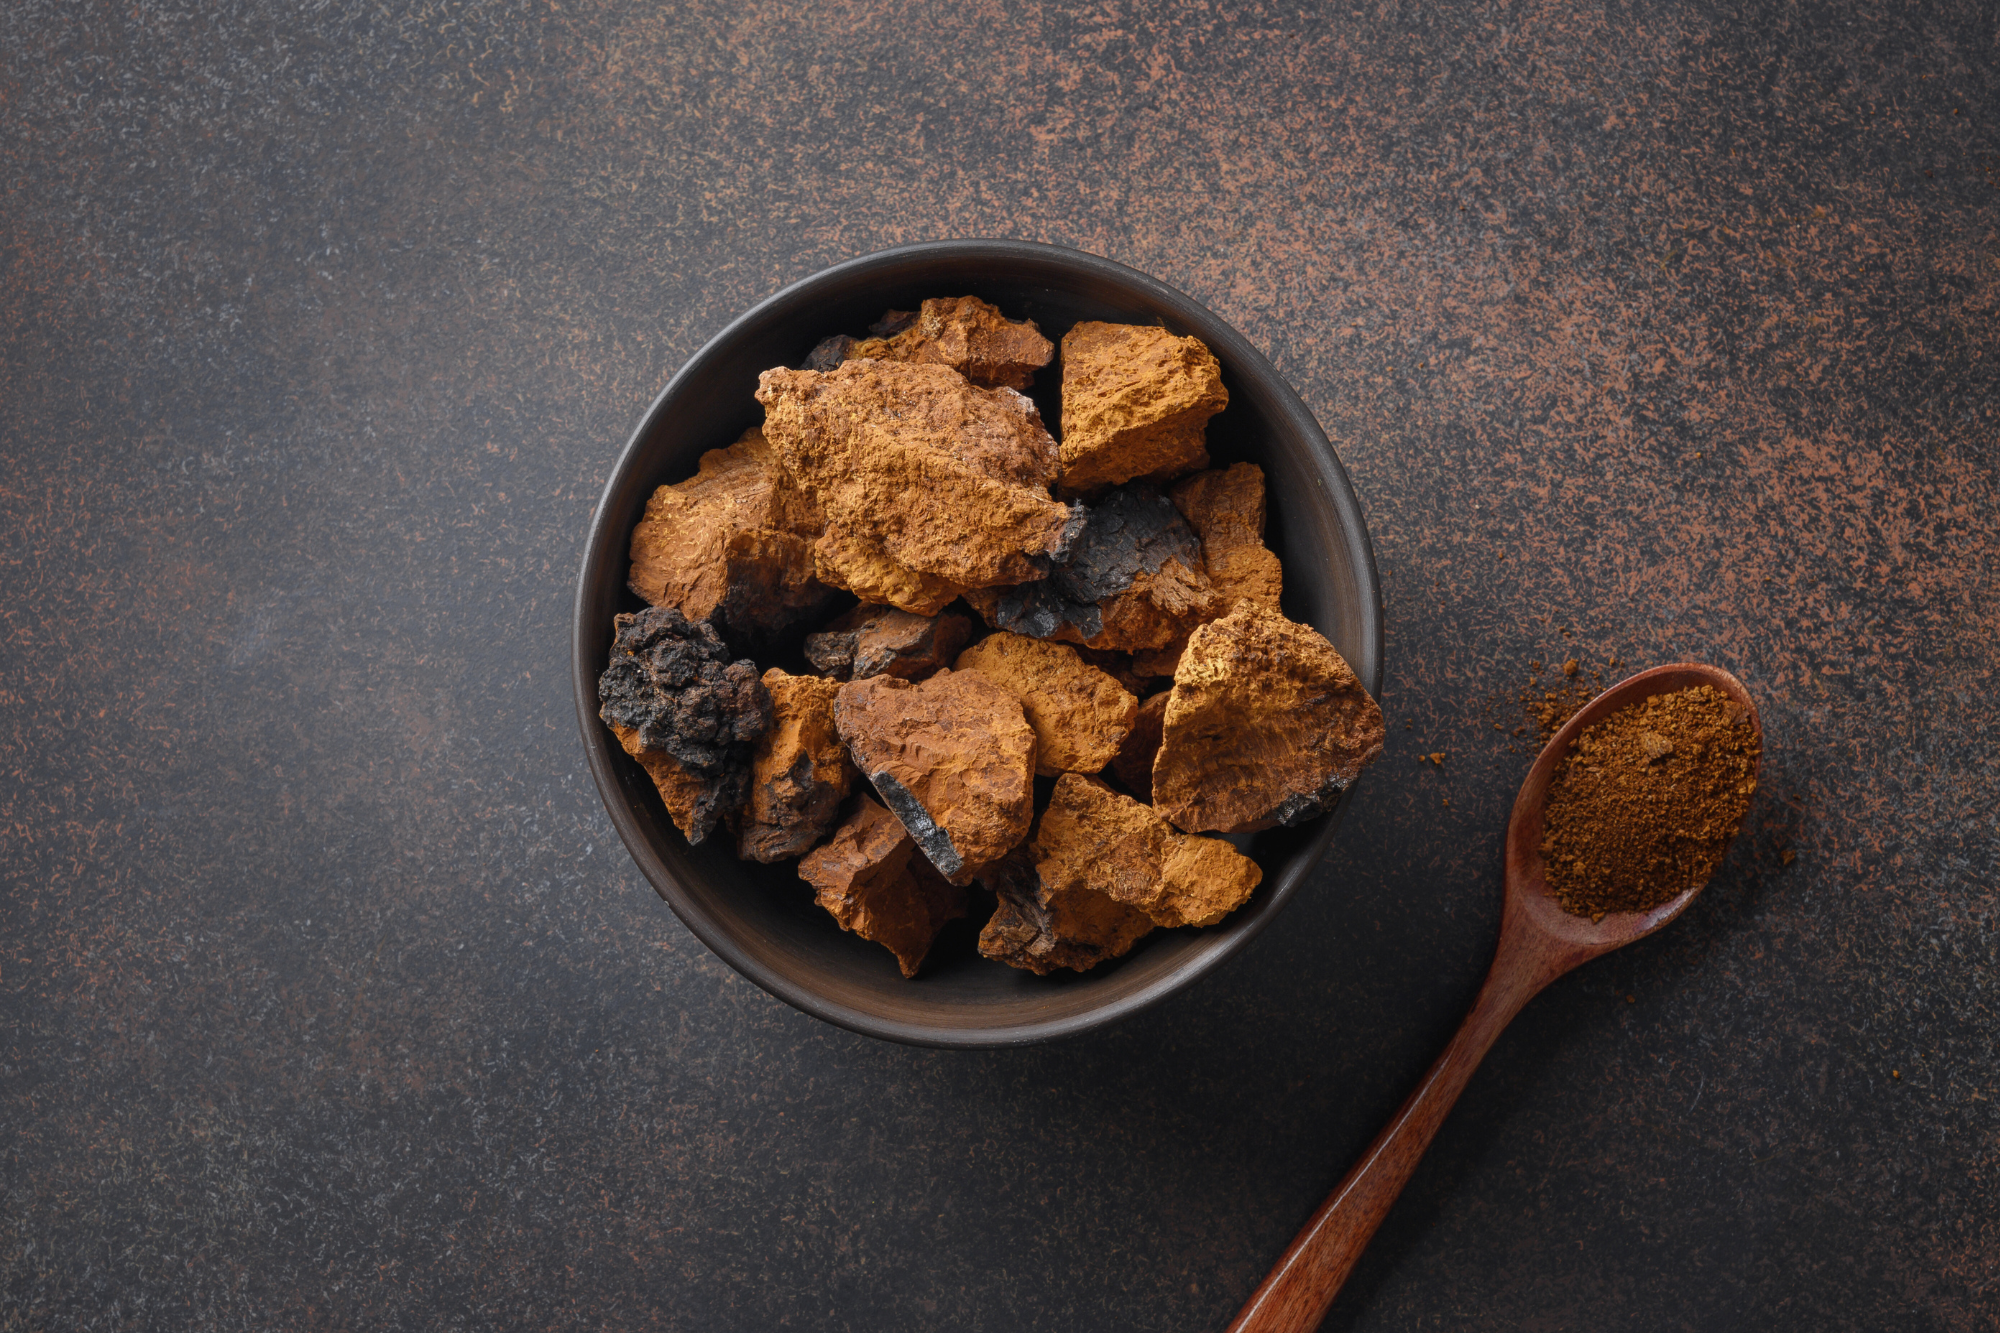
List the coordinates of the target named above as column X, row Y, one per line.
column 762, row 919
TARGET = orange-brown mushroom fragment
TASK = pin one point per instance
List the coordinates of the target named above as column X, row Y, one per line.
column 926, row 484
column 1135, row 404
column 799, row 773
column 1041, row 933
column 1080, row 715
column 954, row 758
column 732, row 545
column 1093, row 840
column 968, row 335
column 1226, row 509
column 869, row 876
column 1266, row 725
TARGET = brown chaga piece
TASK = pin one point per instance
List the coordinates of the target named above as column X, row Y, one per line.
column 1226, row 510
column 1266, row 725
column 1080, row 715
column 1091, row 840
column 799, row 772
column 954, row 758
column 869, row 876
column 1134, row 761
column 690, row 715
column 1131, row 580
column 966, row 334
column 1202, row 880
column 1135, row 403
column 927, row 485
column 731, row 545
column 1041, row 933
column 882, row 641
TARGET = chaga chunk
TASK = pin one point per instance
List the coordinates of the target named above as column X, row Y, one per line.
column 1134, row 761
column 926, row 485
column 954, row 758
column 869, row 876
column 1080, row 715
column 1226, row 509
column 964, row 333
column 690, row 715
column 1130, row 581
column 1135, row 404
column 799, row 772
column 882, row 641
column 1041, row 932
column 731, row 545
column 1267, row 724
column 1093, row 840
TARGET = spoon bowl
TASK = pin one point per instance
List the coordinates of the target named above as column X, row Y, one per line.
column 1539, row 941
column 1578, row 939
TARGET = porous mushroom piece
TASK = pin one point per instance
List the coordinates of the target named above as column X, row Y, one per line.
column 1136, row 401
column 962, row 332
column 882, row 641
column 1130, row 581
column 1226, row 510
column 1267, row 724
column 927, row 485
column 732, row 545
column 953, row 757
column 688, row 714
column 1080, row 715
column 869, row 876
column 799, row 772
column 1225, row 507
column 1094, row 840
column 1041, row 933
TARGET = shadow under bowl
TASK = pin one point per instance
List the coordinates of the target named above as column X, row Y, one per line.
column 762, row 920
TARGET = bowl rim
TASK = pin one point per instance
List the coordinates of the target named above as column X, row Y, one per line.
column 600, row 546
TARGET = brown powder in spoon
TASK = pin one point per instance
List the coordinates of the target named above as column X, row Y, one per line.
column 1646, row 802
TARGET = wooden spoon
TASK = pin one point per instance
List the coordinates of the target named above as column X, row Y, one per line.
column 1538, row 943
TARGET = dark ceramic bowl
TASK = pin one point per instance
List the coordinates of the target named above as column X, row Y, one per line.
column 762, row 919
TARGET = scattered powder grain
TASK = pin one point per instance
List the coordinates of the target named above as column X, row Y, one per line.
column 1646, row 802
column 1550, row 709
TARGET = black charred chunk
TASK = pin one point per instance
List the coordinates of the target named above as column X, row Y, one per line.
column 670, row 680
column 1132, row 530
column 829, row 352
column 883, row 641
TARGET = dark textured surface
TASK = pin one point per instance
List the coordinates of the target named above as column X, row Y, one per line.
column 1129, row 531
column 327, row 998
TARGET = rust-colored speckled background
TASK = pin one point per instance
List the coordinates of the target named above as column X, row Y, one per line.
column 328, row 1000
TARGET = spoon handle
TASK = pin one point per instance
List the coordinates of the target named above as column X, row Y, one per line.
column 1297, row 1292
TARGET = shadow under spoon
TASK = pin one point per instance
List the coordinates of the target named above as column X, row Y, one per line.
column 1539, row 942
